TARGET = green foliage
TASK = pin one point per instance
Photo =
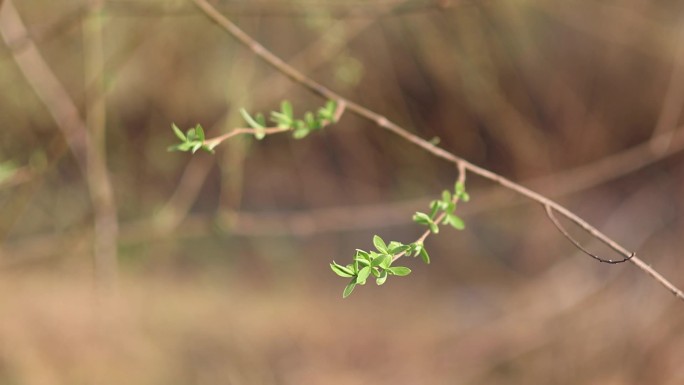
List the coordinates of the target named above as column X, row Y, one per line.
column 285, row 119
column 193, row 140
column 379, row 263
column 376, row 264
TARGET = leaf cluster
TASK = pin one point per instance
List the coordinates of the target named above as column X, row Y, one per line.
column 447, row 206
column 300, row 127
column 193, row 140
column 378, row 263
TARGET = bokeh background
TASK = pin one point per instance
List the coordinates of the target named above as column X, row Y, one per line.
column 121, row 262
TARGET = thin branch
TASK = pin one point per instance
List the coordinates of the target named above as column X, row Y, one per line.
column 559, row 226
column 213, row 142
column 338, row 10
column 383, row 122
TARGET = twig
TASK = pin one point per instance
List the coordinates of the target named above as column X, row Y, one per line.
column 383, row 122
column 338, row 10
column 559, row 226
column 213, row 142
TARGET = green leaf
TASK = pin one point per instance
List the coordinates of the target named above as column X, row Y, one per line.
column 446, row 196
column 363, row 275
column 379, row 260
column 282, row 120
column 434, row 208
column 341, row 270
column 200, row 132
column 261, row 120
column 311, row 121
column 416, row 248
column 433, row 227
column 178, row 132
column 196, row 146
column 286, row 109
column 191, row 135
column 399, row 271
column 362, row 254
column 424, row 255
column 380, row 244
column 250, row 121
column 460, row 192
column 455, row 221
column 398, row 249
column 382, row 278
column 348, row 290
column 421, row 218
column 300, row 133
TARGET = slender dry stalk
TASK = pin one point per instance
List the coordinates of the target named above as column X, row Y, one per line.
column 359, row 110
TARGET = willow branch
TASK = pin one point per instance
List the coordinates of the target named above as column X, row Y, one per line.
column 385, row 123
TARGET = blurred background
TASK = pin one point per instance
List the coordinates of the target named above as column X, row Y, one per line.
column 121, row 262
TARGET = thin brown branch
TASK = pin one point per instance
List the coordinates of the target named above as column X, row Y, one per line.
column 559, row 226
column 383, row 122
column 337, row 10
column 213, row 142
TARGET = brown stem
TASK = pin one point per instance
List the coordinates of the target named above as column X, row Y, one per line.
column 385, row 123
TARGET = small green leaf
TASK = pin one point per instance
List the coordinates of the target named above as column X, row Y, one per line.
column 434, row 208
column 424, row 255
column 382, row 278
column 446, row 196
column 362, row 254
column 191, row 135
column 455, row 221
column 363, row 275
column 421, row 218
column 341, row 270
column 348, row 290
column 460, row 192
column 196, row 146
column 250, row 121
column 399, row 271
column 200, row 132
column 398, row 249
column 379, row 260
column 282, row 120
column 380, row 244
column 286, row 109
column 300, row 133
column 178, row 132
column 416, row 248
column 433, row 227
column 311, row 121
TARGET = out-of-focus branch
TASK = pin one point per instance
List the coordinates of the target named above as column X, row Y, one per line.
column 84, row 145
column 385, row 123
column 672, row 104
column 53, row 30
column 341, row 9
column 99, row 183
